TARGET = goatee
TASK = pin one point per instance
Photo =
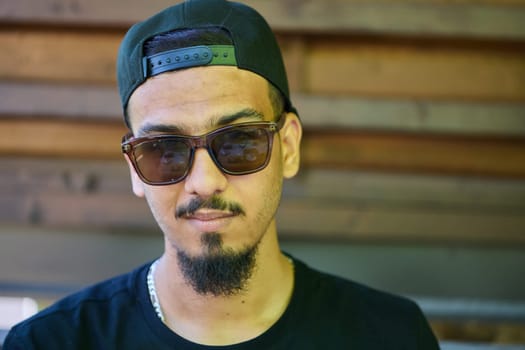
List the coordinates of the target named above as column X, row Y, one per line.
column 219, row 271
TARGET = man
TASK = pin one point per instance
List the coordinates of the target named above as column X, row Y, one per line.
column 213, row 135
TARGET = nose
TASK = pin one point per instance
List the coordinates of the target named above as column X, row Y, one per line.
column 205, row 179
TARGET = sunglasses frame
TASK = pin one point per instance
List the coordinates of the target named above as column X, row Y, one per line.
column 202, row 141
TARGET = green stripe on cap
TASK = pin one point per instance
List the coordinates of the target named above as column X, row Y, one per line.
column 192, row 56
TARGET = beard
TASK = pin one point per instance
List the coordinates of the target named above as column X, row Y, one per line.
column 219, row 271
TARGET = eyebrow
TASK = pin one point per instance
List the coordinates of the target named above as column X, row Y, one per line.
column 245, row 113
column 221, row 121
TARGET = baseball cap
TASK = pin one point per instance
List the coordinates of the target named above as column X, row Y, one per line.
column 254, row 45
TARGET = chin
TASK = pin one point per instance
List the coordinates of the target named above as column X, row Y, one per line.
column 219, row 270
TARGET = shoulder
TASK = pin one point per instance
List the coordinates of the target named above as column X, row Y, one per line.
column 384, row 316
column 88, row 310
column 338, row 290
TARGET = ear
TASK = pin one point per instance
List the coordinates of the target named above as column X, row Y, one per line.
column 136, row 182
column 291, row 134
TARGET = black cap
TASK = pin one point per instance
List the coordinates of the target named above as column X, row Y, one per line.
column 254, row 45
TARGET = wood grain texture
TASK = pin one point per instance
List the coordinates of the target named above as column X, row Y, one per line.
column 55, row 138
column 334, row 66
column 31, row 175
column 324, row 149
column 73, row 56
column 468, row 18
column 411, row 115
column 415, row 153
column 304, row 219
column 417, row 71
column 324, row 205
column 478, row 332
column 96, row 102
column 457, row 276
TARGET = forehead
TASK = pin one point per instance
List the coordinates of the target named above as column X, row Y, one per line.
column 193, row 99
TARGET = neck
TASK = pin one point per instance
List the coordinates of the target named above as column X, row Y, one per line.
column 222, row 320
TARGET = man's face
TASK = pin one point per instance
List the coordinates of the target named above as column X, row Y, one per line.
column 210, row 212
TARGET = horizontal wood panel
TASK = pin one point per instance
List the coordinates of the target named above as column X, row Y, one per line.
column 480, row 333
column 76, row 101
column 459, row 276
column 316, row 205
column 482, row 310
column 344, row 150
column 55, row 138
column 478, row 18
column 423, row 116
column 412, row 115
column 305, row 220
column 75, row 56
column 330, row 66
column 296, row 219
column 415, row 71
column 415, row 153
column 390, row 190
column 33, row 176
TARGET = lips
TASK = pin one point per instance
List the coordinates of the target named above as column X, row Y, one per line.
column 208, row 215
column 209, row 220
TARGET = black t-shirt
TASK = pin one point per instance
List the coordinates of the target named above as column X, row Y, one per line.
column 325, row 312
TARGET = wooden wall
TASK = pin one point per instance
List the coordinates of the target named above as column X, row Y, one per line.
column 414, row 117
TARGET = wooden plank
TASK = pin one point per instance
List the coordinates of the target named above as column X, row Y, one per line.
column 385, row 266
column 412, row 115
column 305, row 219
column 73, row 56
column 336, row 149
column 122, row 211
column 55, row 138
column 481, row 333
column 365, row 207
column 389, row 190
column 423, row 116
column 417, row 71
column 60, row 100
column 414, row 153
column 481, row 310
column 479, row 18
column 34, row 176
column 36, row 256
column 335, row 66
column 295, row 54
column 92, row 255
column 64, row 176
column 91, row 55
column 375, row 224
column 436, row 18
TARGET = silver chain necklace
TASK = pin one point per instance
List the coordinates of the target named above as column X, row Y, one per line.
column 153, row 291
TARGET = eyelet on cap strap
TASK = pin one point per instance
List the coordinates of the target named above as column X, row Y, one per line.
column 186, row 57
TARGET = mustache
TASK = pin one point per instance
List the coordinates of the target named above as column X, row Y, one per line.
column 214, row 202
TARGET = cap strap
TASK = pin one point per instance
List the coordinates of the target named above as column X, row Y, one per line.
column 188, row 57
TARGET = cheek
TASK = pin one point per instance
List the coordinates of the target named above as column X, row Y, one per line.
column 266, row 189
column 270, row 200
column 162, row 203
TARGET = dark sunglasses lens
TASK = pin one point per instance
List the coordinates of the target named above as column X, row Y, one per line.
column 241, row 150
column 161, row 161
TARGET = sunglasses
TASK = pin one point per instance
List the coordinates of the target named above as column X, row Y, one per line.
column 237, row 149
